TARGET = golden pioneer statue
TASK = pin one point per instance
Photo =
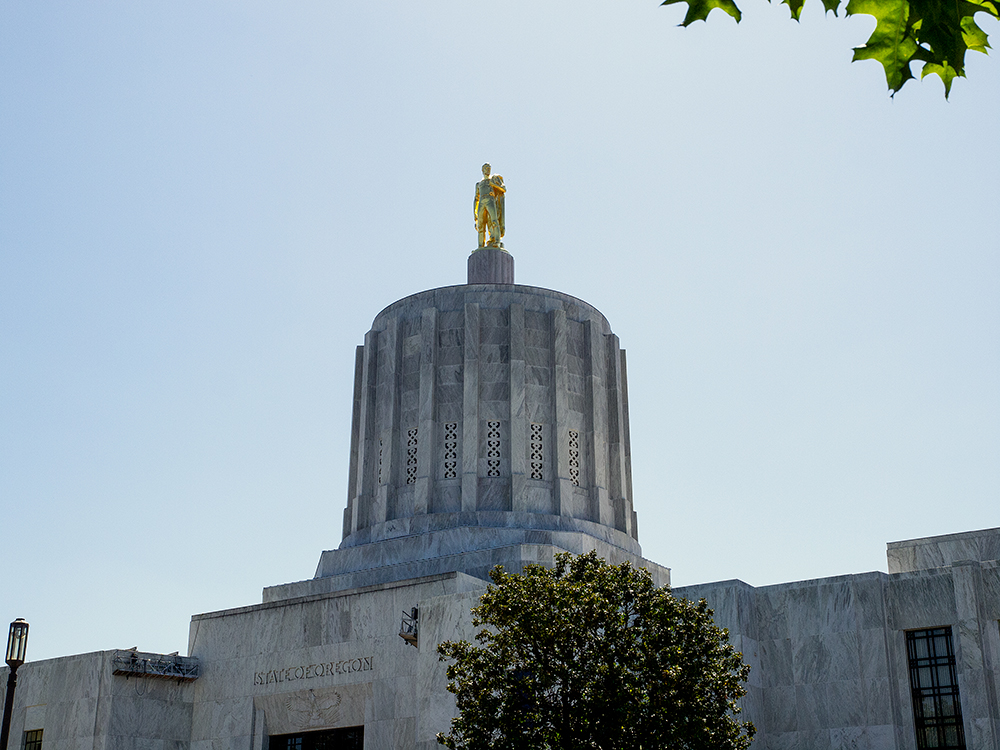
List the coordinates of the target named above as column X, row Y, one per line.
column 487, row 208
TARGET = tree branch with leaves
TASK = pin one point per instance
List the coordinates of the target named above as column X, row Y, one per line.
column 588, row 656
column 936, row 33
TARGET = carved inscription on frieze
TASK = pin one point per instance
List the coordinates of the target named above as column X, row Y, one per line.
column 311, row 671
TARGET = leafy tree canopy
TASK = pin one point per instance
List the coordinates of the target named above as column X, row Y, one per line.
column 936, row 33
column 588, row 655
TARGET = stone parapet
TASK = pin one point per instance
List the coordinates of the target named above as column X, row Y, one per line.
column 943, row 551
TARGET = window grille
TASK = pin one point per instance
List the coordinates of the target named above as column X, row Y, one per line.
column 411, row 456
column 32, row 740
column 450, row 450
column 537, row 449
column 937, row 712
column 574, row 458
column 493, row 449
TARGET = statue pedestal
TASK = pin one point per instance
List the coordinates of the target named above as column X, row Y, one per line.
column 491, row 265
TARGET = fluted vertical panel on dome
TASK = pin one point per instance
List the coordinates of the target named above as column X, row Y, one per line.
column 470, row 410
column 357, row 453
column 632, row 529
column 562, row 489
column 387, row 421
column 518, row 421
column 427, row 444
column 620, row 500
column 598, row 428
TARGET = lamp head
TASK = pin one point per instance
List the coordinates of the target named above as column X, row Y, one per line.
column 17, row 643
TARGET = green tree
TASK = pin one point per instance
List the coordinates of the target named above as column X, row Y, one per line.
column 588, row 655
column 936, row 33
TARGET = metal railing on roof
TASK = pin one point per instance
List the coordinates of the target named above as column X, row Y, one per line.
column 133, row 663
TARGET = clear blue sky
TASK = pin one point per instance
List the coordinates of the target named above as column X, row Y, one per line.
column 204, row 204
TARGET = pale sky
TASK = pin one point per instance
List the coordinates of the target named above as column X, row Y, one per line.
column 203, row 205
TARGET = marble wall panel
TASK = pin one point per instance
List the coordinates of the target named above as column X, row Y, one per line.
column 536, row 356
column 828, row 657
column 772, row 613
column 535, row 375
column 495, row 315
column 821, row 608
column 450, row 355
column 449, row 337
column 451, row 319
column 990, row 597
column 497, row 393
column 846, row 704
column 494, row 373
column 973, row 693
column 449, row 410
column 64, row 719
column 877, row 701
column 538, row 495
column 403, row 733
column 781, row 741
column 493, row 343
column 869, row 600
column 410, row 327
column 447, row 498
column 775, row 662
column 409, row 396
column 779, row 709
column 537, row 322
column 576, row 383
column 874, row 657
column 448, row 377
column 921, row 600
column 493, row 493
column 383, row 699
column 812, row 706
column 336, row 621
column 979, row 733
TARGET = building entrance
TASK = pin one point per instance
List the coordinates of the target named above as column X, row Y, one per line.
column 346, row 738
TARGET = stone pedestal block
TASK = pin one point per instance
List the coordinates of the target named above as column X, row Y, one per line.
column 491, row 265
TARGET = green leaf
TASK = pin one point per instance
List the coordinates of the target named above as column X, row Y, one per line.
column 795, row 6
column 947, row 73
column 975, row 37
column 698, row 10
column 892, row 42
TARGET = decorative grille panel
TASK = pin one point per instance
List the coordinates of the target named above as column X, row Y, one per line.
column 574, row 457
column 493, row 449
column 411, row 456
column 450, row 450
column 537, row 452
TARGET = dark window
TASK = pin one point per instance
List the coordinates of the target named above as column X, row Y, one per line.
column 937, row 712
column 349, row 738
column 33, row 740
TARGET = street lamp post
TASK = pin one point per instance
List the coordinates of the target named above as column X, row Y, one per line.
column 17, row 644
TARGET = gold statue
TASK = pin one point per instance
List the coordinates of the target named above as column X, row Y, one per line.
column 487, row 208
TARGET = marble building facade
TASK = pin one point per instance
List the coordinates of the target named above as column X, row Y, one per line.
column 490, row 426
